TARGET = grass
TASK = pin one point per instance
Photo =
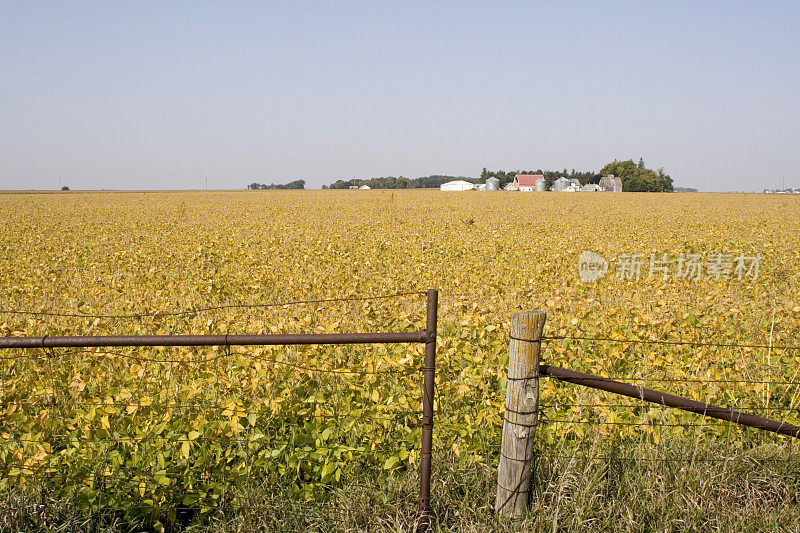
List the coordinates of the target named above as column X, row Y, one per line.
column 633, row 487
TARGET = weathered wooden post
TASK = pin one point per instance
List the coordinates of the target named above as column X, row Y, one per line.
column 515, row 471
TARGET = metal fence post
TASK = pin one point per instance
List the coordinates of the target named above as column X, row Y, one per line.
column 515, row 471
column 429, row 368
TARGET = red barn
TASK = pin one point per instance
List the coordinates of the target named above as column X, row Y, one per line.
column 527, row 182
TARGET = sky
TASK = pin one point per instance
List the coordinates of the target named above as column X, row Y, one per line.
column 177, row 95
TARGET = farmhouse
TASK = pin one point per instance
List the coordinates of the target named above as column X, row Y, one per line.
column 529, row 182
column 611, row 183
column 457, row 185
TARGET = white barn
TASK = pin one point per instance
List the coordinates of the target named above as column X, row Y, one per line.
column 457, row 185
column 611, row 183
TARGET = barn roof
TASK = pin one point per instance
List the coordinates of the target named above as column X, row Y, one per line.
column 528, row 179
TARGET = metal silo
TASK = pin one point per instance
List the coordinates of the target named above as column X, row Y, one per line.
column 541, row 185
column 561, row 183
column 492, row 184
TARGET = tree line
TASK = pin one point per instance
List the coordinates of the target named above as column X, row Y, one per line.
column 297, row 184
column 635, row 178
column 391, row 182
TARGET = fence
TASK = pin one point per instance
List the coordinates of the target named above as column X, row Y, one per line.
column 168, row 435
column 524, row 414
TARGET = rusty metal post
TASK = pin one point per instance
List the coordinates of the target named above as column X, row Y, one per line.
column 429, row 368
column 515, row 468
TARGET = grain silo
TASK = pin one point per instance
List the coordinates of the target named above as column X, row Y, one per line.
column 541, row 185
column 561, row 183
column 492, row 184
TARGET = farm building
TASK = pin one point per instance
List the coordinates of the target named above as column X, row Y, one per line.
column 492, row 184
column 528, row 182
column 591, row 187
column 561, row 183
column 457, row 185
column 611, row 183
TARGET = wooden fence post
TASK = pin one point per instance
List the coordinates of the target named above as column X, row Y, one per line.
column 515, row 470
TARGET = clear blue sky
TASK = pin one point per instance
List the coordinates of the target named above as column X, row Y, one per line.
column 153, row 95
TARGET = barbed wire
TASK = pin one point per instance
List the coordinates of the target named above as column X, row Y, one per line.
column 274, row 504
column 185, row 438
column 51, row 353
column 329, row 506
column 642, row 403
column 350, row 482
column 642, row 423
column 685, row 380
column 196, row 310
column 670, row 343
column 99, row 515
column 397, row 417
column 683, row 459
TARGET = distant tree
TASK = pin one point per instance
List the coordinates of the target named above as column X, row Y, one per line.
column 636, row 178
column 340, row 184
column 297, row 184
column 391, row 182
column 64, row 188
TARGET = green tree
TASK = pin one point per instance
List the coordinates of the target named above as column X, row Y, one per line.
column 297, row 184
column 636, row 178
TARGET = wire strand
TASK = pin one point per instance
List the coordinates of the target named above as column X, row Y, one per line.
column 670, row 343
column 158, row 314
